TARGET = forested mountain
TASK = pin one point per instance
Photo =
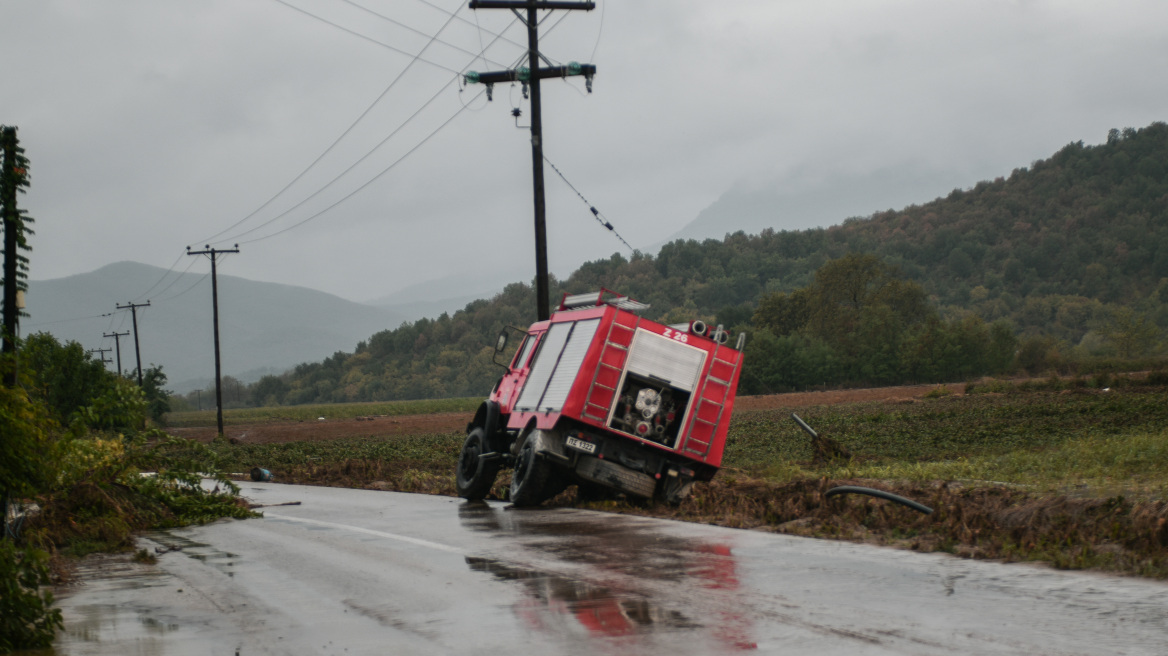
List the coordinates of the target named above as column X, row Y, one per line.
column 1070, row 253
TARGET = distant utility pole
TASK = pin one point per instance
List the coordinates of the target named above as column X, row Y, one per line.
column 117, row 346
column 212, row 253
column 531, row 76
column 104, row 360
column 133, row 307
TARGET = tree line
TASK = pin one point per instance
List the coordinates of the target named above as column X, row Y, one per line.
column 1061, row 264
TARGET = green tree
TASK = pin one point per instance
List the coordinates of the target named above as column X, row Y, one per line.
column 64, row 376
column 1133, row 335
column 782, row 313
column 157, row 398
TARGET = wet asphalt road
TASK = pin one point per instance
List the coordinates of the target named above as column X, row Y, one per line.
column 361, row 572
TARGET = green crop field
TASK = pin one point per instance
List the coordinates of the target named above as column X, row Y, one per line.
column 330, row 411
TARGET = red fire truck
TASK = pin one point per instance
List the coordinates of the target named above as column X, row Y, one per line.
column 598, row 396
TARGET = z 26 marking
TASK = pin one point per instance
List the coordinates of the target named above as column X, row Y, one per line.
column 677, row 335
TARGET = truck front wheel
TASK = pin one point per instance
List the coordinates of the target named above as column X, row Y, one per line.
column 474, row 476
column 529, row 481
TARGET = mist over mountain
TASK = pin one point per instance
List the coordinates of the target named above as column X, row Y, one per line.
column 814, row 200
column 264, row 327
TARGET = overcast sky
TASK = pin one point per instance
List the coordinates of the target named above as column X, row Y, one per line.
column 152, row 125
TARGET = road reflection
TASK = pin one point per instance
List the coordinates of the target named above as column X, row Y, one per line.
column 627, row 563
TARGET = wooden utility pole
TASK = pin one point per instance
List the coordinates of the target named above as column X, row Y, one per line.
column 102, row 351
column 133, row 307
column 212, row 253
column 117, row 346
column 530, row 77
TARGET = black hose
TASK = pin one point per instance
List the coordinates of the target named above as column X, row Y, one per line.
column 853, row 489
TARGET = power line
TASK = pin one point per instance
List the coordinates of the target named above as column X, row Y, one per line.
column 327, row 150
column 340, row 175
column 599, row 32
column 320, row 157
column 174, row 296
column 371, row 180
column 56, row 321
column 595, row 212
column 476, row 25
column 362, row 36
column 176, row 278
column 434, row 38
column 159, row 282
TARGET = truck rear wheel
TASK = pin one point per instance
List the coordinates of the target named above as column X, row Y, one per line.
column 474, row 476
column 529, row 481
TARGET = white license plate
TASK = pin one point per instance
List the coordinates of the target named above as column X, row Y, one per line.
column 586, row 447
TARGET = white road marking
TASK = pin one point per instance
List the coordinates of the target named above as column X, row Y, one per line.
column 381, row 534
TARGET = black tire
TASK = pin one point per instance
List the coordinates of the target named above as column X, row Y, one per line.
column 529, row 481
column 474, row 476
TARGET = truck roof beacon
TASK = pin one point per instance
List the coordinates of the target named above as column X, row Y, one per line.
column 600, row 397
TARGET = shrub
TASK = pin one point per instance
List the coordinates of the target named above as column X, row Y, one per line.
column 27, row 620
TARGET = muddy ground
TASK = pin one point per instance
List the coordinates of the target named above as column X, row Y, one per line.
column 452, row 422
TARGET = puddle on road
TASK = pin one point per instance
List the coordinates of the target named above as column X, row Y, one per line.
column 223, row 561
column 619, row 549
column 601, row 610
column 90, row 625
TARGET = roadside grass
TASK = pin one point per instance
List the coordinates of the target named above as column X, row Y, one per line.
column 197, row 418
column 1046, row 440
column 1075, row 477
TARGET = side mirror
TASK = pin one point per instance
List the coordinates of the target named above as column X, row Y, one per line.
column 500, row 346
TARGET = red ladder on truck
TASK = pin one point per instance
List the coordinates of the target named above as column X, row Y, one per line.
column 711, row 401
column 602, row 391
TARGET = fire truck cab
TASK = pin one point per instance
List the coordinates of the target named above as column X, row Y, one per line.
column 597, row 395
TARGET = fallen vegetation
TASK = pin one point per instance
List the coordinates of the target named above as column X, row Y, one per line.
column 1067, row 472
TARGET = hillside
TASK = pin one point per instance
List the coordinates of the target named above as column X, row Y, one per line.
column 263, row 326
column 1055, row 250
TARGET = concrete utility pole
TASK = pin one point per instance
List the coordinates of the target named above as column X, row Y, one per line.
column 117, row 346
column 530, row 77
column 212, row 253
column 133, row 307
column 104, row 360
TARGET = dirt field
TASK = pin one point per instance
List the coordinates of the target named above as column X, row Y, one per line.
column 455, row 422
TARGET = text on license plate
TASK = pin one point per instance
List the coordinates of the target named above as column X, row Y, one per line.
column 586, row 447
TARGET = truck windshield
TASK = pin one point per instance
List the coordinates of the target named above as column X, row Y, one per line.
column 524, row 354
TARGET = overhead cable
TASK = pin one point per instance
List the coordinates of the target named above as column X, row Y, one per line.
column 595, row 212
column 362, row 36
column 331, row 146
column 372, row 180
